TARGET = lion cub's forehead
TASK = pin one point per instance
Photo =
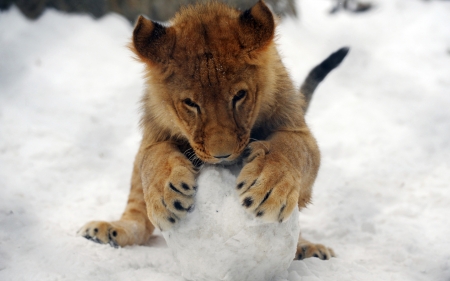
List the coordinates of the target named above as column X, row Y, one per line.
column 207, row 49
column 209, row 30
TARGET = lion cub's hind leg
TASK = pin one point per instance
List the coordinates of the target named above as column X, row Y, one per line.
column 306, row 249
column 134, row 227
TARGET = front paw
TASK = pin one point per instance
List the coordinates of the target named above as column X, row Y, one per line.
column 268, row 185
column 170, row 198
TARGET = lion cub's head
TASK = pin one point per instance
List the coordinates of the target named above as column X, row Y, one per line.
column 208, row 73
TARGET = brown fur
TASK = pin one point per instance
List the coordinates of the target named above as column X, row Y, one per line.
column 215, row 81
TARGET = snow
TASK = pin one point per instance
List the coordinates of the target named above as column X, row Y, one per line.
column 231, row 244
column 69, row 93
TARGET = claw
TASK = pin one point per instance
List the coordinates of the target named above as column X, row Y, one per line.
column 185, row 186
column 111, row 241
column 247, row 202
column 174, row 188
column 266, row 197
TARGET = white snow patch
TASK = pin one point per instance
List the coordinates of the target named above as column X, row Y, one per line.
column 227, row 242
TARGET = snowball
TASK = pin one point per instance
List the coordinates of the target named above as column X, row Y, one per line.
column 220, row 240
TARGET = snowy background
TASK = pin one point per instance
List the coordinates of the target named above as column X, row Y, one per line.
column 69, row 93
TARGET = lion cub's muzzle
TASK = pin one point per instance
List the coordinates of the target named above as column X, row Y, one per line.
column 221, row 148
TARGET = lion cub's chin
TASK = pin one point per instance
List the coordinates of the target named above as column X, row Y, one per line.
column 224, row 162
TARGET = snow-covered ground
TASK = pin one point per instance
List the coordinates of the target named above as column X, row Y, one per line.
column 69, row 93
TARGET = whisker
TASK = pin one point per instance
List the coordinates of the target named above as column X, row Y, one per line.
column 188, row 152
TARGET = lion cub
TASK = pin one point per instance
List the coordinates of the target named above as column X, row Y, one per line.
column 217, row 92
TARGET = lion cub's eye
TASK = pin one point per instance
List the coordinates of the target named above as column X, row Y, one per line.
column 190, row 103
column 239, row 95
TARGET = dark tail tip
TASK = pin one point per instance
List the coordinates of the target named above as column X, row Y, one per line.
column 318, row 73
column 330, row 63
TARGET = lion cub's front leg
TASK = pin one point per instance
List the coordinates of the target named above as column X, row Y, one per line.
column 133, row 227
column 278, row 174
column 168, row 180
column 162, row 189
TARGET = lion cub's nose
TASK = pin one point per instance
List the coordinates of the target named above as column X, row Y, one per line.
column 222, row 156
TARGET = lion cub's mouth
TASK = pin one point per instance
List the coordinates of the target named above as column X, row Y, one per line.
column 225, row 160
column 221, row 153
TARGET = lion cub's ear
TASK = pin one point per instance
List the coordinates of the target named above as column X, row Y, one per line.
column 152, row 41
column 257, row 27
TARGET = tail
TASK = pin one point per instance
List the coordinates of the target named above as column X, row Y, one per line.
column 319, row 73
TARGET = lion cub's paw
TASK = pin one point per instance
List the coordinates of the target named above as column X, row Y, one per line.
column 313, row 250
column 172, row 202
column 103, row 233
column 266, row 184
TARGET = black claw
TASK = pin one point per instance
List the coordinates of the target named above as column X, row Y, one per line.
column 195, row 187
column 93, row 239
column 266, row 197
column 111, row 241
column 248, row 188
column 323, row 255
column 260, row 214
column 178, row 206
column 185, row 186
column 113, row 244
column 174, row 188
column 300, row 256
column 172, row 220
column 315, row 255
column 96, row 240
column 280, row 218
column 247, row 202
column 239, row 186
